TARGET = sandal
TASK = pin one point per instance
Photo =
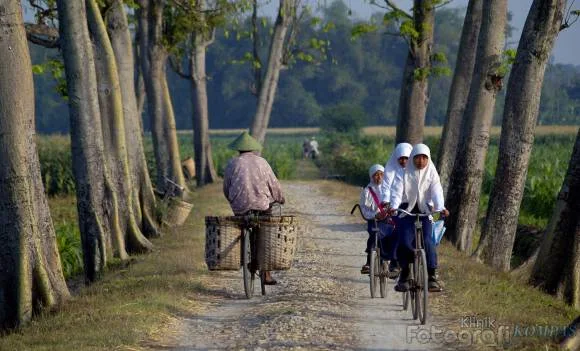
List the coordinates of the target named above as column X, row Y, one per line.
column 366, row 269
column 271, row 282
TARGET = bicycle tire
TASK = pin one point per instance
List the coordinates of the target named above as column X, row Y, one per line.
column 373, row 273
column 263, row 282
column 246, row 262
column 422, row 290
column 383, row 278
column 412, row 292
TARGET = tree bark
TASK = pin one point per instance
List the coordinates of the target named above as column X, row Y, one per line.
column 459, row 91
column 96, row 199
column 414, row 90
column 557, row 266
column 170, row 133
column 113, row 124
column 467, row 176
column 159, row 102
column 517, row 136
column 267, row 93
column 142, row 189
column 31, row 276
column 204, row 167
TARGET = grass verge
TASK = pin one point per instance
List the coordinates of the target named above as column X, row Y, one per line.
column 132, row 303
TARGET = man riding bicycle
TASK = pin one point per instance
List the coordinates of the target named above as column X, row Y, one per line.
column 250, row 185
column 417, row 189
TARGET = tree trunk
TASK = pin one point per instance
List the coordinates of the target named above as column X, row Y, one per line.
column 142, row 189
column 113, row 124
column 459, row 91
column 414, row 90
column 141, row 46
column 31, row 276
column 96, row 199
column 267, row 93
column 170, row 133
column 557, row 266
column 521, row 109
column 467, row 176
column 154, row 57
column 204, row 167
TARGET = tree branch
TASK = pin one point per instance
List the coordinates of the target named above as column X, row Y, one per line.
column 42, row 35
column 176, row 66
column 394, row 7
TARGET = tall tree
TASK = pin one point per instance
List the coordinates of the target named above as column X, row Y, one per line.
column 467, row 176
column 459, row 91
column 414, row 95
column 97, row 202
column 557, row 266
column 31, row 276
column 144, row 198
column 520, row 114
column 201, row 39
column 269, row 83
column 113, row 124
column 153, row 67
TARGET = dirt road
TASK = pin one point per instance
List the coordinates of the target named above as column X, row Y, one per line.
column 323, row 302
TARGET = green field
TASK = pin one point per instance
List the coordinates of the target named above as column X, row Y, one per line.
column 346, row 156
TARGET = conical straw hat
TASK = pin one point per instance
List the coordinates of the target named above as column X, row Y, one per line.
column 245, row 142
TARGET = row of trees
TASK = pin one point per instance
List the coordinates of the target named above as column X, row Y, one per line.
column 365, row 72
column 115, row 199
column 477, row 82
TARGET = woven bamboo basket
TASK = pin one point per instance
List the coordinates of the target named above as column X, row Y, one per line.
column 223, row 243
column 277, row 242
column 188, row 166
column 177, row 212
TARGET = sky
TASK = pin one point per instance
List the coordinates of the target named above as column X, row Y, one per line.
column 566, row 50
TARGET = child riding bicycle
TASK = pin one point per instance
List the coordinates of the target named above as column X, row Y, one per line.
column 417, row 189
column 373, row 209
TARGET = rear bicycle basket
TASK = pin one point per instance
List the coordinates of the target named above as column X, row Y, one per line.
column 223, row 243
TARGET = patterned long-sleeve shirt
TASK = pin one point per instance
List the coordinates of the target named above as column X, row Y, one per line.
column 250, row 184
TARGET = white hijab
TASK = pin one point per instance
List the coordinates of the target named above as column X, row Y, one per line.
column 392, row 165
column 422, row 186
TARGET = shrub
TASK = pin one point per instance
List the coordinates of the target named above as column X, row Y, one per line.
column 343, row 118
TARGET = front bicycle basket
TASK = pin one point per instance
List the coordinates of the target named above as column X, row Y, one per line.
column 277, row 242
column 223, row 243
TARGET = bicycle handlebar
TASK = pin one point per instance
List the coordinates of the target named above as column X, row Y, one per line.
column 416, row 214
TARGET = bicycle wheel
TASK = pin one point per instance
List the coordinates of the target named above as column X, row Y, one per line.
column 383, row 278
column 421, row 287
column 263, row 282
column 246, row 263
column 412, row 292
column 373, row 273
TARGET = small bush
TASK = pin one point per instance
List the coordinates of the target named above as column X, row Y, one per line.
column 343, row 118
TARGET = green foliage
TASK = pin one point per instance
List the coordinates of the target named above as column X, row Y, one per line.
column 56, row 165
column 362, row 28
column 351, row 156
column 343, row 118
column 68, row 239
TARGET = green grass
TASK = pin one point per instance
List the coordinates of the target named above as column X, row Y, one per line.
column 473, row 289
column 132, row 303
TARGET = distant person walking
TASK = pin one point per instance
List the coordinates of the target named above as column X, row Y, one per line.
column 313, row 148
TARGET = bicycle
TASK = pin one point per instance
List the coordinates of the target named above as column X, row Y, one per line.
column 250, row 265
column 417, row 293
column 250, row 254
column 378, row 267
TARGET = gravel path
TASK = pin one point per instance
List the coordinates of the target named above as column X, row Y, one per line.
column 323, row 302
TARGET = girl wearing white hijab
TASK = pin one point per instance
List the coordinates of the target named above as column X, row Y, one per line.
column 396, row 163
column 417, row 190
column 373, row 208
